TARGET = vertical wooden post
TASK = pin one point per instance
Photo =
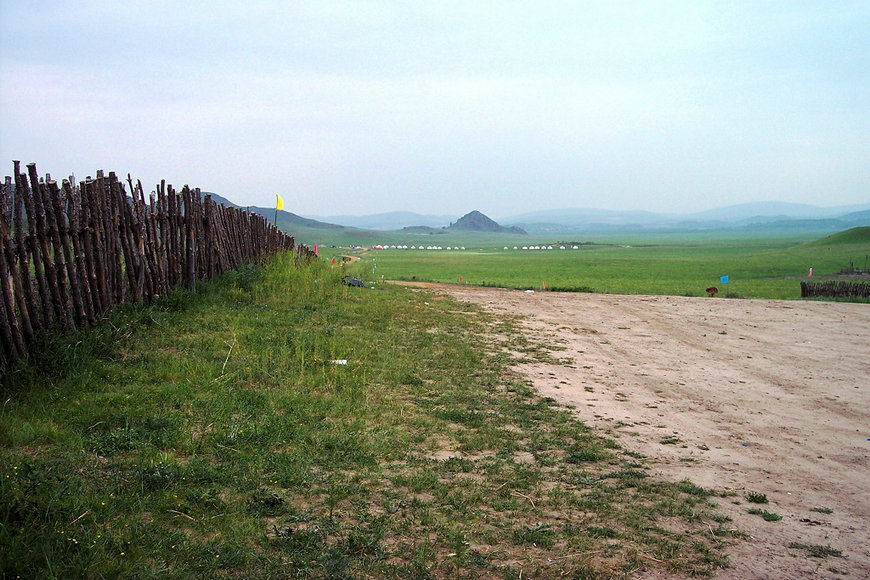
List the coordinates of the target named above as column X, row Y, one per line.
column 22, row 187
column 8, row 277
column 62, row 228
column 11, row 274
column 190, row 253
column 23, row 250
column 74, row 211
column 50, row 193
column 57, row 301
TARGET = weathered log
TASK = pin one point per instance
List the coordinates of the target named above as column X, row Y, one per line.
column 116, row 238
column 148, row 221
column 75, row 285
column 23, row 253
column 7, row 278
column 10, row 351
column 74, row 211
column 22, row 187
column 190, row 245
column 57, row 301
column 136, row 216
column 123, row 219
column 11, row 274
column 104, row 254
column 50, row 194
column 172, row 233
column 163, row 239
column 93, row 249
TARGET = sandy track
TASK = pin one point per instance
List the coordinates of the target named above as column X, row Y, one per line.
column 748, row 395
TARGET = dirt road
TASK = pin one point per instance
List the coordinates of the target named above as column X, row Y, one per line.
column 763, row 396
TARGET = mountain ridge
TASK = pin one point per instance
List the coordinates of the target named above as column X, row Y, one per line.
column 767, row 215
column 283, row 218
column 478, row 222
column 749, row 212
column 393, row 220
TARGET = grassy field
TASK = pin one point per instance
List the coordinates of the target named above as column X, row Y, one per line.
column 219, row 434
column 757, row 267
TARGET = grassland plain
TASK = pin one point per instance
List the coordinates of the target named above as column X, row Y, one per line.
column 214, row 435
column 757, row 267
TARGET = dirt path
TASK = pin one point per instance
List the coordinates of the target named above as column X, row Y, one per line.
column 747, row 395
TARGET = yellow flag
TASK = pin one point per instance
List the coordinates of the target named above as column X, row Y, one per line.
column 280, row 202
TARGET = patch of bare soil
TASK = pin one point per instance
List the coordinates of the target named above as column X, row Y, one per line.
column 763, row 396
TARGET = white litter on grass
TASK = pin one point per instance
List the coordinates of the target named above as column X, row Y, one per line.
column 530, row 291
column 340, row 361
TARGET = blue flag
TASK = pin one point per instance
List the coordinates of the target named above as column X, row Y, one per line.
column 724, row 279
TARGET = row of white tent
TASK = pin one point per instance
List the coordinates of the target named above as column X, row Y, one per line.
column 391, row 247
column 543, row 247
column 387, row 247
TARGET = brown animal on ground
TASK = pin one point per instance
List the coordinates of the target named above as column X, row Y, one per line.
column 712, row 291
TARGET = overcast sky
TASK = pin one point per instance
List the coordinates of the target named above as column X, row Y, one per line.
column 444, row 107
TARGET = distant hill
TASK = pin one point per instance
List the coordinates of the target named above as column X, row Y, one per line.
column 477, row 222
column 857, row 217
column 423, row 230
column 860, row 235
column 585, row 216
column 762, row 216
column 286, row 219
column 395, row 220
column 219, row 199
column 755, row 217
column 758, row 211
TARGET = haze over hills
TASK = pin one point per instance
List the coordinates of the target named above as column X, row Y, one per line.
column 285, row 218
column 768, row 215
column 759, row 211
column 745, row 211
column 394, row 220
column 761, row 216
column 748, row 216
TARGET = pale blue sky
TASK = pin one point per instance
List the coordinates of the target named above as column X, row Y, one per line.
column 443, row 107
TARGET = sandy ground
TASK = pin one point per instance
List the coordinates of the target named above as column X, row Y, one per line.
column 758, row 396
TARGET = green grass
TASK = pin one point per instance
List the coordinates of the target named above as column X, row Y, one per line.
column 211, row 435
column 766, row 515
column 817, row 550
column 758, row 267
column 756, row 497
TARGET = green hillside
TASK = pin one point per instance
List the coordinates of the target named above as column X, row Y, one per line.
column 475, row 221
column 859, row 235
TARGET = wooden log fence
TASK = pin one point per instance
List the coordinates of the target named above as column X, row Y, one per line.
column 835, row 289
column 71, row 254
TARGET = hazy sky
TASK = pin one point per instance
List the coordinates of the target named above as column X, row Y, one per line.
column 443, row 107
